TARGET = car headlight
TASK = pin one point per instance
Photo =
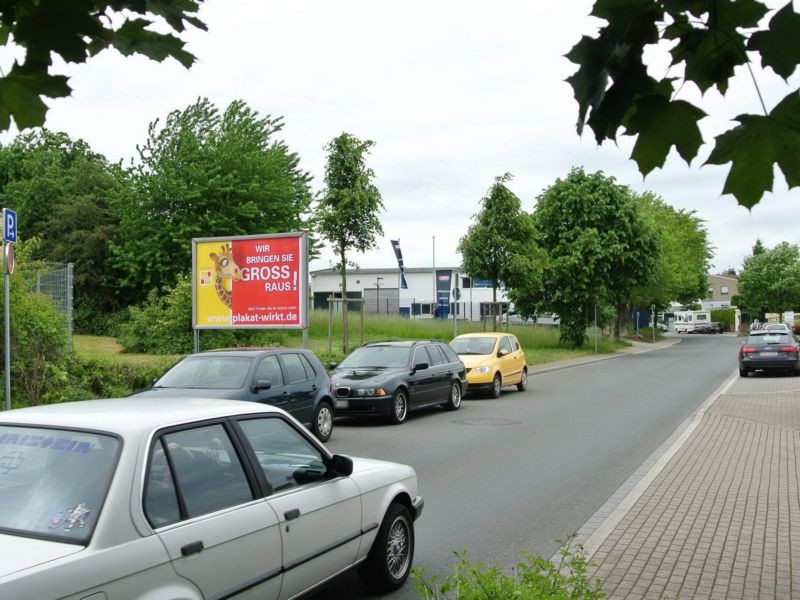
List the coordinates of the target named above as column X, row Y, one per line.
column 368, row 392
column 483, row 369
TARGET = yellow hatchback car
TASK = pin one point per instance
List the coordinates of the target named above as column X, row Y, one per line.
column 493, row 360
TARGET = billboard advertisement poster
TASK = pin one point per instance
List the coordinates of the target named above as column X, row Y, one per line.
column 257, row 282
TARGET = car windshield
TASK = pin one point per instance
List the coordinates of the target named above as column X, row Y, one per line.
column 378, row 357
column 770, row 338
column 207, row 372
column 474, row 345
column 53, row 482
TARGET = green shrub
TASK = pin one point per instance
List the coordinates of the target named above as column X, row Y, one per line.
column 726, row 316
column 38, row 344
column 163, row 325
column 532, row 578
column 86, row 378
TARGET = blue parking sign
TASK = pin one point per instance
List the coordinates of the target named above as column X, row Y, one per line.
column 9, row 225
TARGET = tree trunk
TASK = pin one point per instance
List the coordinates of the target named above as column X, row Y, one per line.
column 345, row 307
column 494, row 306
column 618, row 320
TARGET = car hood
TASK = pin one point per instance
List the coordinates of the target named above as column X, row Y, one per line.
column 360, row 377
column 371, row 474
column 188, row 393
column 474, row 360
column 18, row 553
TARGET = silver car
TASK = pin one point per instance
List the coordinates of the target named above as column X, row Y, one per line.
column 176, row 498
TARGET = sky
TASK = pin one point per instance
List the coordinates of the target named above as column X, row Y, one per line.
column 453, row 93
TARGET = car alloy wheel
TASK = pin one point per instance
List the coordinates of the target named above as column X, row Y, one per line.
column 496, row 385
column 454, row 400
column 398, row 547
column 323, row 422
column 389, row 560
column 399, row 407
column 523, row 382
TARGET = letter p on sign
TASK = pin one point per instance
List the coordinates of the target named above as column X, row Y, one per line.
column 9, row 226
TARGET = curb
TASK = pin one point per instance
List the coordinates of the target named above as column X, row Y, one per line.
column 595, row 531
column 577, row 362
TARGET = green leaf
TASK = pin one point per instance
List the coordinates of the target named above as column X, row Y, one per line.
column 20, row 93
column 661, row 124
column 134, row 37
column 590, row 80
column 710, row 56
column 755, row 145
column 780, row 45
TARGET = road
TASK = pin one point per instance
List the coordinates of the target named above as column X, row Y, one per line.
column 514, row 474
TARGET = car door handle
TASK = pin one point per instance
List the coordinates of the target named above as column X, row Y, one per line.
column 193, row 548
column 290, row 515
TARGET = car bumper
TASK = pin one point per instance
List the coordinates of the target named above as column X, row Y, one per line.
column 770, row 364
column 417, row 504
column 379, row 406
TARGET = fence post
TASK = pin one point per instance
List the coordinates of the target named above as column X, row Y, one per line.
column 69, row 306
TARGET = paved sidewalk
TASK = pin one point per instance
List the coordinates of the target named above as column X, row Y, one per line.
column 719, row 516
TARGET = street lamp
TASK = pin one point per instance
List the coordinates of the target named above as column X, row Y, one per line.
column 378, row 296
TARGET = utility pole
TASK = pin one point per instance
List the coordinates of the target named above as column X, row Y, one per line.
column 378, row 296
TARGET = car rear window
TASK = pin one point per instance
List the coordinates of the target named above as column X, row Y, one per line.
column 207, row 372
column 53, row 482
column 770, row 338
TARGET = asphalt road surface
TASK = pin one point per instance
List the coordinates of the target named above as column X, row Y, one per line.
column 514, row 474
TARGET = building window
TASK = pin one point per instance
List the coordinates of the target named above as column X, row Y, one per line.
column 724, row 289
column 710, row 291
column 466, row 282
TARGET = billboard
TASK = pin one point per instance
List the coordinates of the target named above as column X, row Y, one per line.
column 250, row 282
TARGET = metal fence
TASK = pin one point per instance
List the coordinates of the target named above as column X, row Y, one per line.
column 55, row 280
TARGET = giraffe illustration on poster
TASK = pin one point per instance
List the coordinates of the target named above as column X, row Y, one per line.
column 226, row 271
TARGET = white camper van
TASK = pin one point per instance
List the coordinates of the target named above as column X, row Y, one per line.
column 689, row 321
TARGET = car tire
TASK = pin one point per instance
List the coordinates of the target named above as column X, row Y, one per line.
column 743, row 372
column 322, row 425
column 454, row 400
column 497, row 383
column 389, row 561
column 523, row 382
column 399, row 412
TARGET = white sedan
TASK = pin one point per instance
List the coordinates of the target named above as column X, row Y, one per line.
column 184, row 499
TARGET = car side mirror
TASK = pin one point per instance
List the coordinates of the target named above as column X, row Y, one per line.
column 261, row 384
column 332, row 366
column 420, row 367
column 502, row 352
column 341, row 465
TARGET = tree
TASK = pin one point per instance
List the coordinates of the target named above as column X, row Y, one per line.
column 347, row 213
column 709, row 40
column 758, row 247
column 770, row 280
column 61, row 191
column 204, row 173
column 597, row 247
column 679, row 274
column 499, row 245
column 76, row 31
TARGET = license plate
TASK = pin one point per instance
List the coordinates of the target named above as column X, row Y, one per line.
column 342, row 404
column 769, row 354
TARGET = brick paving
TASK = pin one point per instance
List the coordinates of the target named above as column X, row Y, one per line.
column 722, row 518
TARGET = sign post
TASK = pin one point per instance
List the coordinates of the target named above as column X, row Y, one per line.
column 9, row 237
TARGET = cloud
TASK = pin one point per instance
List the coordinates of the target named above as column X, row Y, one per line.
column 453, row 93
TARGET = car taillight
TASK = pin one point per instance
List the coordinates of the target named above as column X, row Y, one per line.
column 748, row 349
column 789, row 349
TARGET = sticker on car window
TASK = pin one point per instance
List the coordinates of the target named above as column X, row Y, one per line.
column 11, row 462
column 76, row 517
column 40, row 441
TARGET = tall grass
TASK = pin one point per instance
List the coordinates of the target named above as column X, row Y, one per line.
column 541, row 343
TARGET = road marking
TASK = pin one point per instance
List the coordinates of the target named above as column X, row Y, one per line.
column 596, row 538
